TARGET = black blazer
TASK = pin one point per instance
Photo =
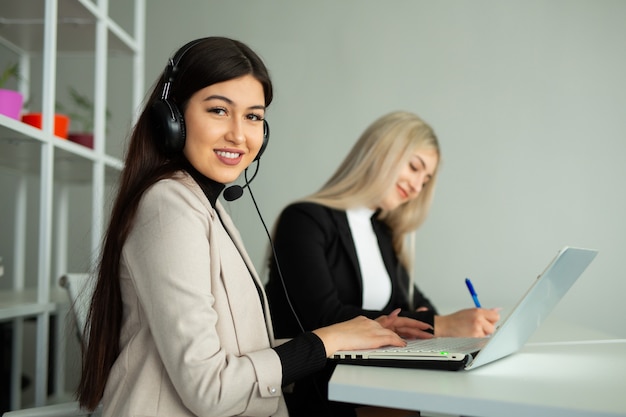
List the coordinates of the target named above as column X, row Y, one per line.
column 320, row 268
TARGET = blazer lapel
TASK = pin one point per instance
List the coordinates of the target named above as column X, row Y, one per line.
column 236, row 238
column 386, row 249
column 340, row 218
column 219, row 214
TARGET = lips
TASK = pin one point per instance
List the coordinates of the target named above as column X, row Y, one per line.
column 228, row 157
column 402, row 193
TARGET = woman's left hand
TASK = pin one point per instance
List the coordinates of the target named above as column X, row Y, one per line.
column 406, row 327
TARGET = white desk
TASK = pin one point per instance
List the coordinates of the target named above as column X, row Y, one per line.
column 543, row 379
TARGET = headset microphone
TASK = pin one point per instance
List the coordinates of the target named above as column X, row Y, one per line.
column 235, row 191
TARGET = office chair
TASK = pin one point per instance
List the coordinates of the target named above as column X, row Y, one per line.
column 79, row 289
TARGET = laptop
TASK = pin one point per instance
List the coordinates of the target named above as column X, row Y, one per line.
column 452, row 353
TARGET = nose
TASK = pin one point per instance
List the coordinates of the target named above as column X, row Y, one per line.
column 417, row 182
column 235, row 132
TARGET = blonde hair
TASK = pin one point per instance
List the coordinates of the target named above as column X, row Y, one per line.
column 373, row 165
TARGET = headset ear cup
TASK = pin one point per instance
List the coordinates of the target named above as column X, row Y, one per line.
column 169, row 125
column 266, row 139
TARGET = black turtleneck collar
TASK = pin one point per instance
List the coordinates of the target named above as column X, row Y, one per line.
column 211, row 188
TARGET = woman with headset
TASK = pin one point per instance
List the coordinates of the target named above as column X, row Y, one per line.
column 179, row 323
column 343, row 251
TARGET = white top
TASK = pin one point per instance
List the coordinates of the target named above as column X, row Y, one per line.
column 376, row 281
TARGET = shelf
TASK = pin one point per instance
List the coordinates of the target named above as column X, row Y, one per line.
column 22, row 24
column 55, row 191
column 23, row 303
column 20, row 150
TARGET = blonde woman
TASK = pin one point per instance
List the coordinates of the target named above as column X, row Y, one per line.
column 343, row 250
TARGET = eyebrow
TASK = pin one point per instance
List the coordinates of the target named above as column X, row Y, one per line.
column 229, row 101
column 421, row 160
column 429, row 176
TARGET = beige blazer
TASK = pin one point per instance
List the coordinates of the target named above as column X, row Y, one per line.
column 195, row 340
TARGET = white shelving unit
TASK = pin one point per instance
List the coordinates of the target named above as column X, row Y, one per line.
column 44, row 35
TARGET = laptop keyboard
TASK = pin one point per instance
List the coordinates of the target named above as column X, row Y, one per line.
column 438, row 344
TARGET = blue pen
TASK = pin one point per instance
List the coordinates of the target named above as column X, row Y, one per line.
column 470, row 287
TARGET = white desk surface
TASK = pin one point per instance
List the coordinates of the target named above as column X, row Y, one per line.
column 550, row 379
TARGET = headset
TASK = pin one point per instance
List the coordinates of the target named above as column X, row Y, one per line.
column 167, row 119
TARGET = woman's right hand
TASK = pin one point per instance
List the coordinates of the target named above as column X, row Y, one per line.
column 357, row 333
column 471, row 322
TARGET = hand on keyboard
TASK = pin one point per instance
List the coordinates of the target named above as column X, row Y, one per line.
column 406, row 327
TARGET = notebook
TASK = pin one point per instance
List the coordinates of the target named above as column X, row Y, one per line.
column 451, row 353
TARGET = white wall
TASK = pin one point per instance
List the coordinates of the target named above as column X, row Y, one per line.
column 527, row 97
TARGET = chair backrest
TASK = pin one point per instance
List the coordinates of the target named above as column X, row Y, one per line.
column 79, row 288
column 68, row 409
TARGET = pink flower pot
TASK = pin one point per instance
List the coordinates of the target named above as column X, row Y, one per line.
column 61, row 123
column 11, row 103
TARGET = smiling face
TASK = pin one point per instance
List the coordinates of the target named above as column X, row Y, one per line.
column 411, row 179
column 224, row 127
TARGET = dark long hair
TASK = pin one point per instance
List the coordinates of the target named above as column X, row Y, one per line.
column 206, row 61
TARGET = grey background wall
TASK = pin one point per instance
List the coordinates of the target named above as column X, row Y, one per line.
column 528, row 99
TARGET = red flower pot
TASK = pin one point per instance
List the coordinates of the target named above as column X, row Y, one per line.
column 61, row 123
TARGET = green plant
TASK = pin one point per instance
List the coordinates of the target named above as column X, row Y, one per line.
column 11, row 71
column 82, row 111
